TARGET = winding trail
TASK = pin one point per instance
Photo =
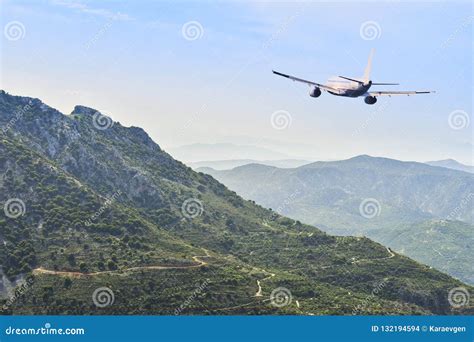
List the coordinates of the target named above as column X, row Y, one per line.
column 390, row 256
column 200, row 263
column 259, row 291
column 259, row 286
column 391, row 253
column 196, row 258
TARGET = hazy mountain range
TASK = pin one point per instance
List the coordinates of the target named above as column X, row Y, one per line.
column 426, row 212
column 452, row 164
column 230, row 164
column 90, row 205
column 224, row 151
column 269, row 149
column 293, row 163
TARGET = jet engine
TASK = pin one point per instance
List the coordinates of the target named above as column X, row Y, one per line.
column 315, row 92
column 370, row 100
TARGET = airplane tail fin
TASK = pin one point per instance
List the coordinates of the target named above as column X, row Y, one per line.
column 368, row 68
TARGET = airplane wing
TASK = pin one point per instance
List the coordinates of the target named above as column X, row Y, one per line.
column 394, row 93
column 322, row 86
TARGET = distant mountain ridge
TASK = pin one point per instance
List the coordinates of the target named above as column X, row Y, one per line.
column 388, row 179
column 230, row 164
column 452, row 164
column 224, row 151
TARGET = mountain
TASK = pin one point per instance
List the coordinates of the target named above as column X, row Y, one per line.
column 230, row 164
column 98, row 219
column 452, row 164
column 224, row 151
column 375, row 197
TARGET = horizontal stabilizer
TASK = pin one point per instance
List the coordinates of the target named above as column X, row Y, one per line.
column 351, row 79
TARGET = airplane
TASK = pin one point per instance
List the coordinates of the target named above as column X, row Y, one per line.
column 352, row 87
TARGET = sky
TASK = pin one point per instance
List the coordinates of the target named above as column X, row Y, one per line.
column 200, row 71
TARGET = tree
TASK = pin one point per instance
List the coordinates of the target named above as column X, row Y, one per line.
column 100, row 265
column 83, row 267
column 111, row 265
column 71, row 259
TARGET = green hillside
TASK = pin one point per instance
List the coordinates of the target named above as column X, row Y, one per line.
column 443, row 244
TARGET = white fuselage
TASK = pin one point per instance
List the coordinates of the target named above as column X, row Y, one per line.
column 348, row 88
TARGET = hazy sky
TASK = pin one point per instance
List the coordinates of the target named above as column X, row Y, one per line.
column 200, row 71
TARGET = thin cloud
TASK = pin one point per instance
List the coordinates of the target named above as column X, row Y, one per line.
column 101, row 12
